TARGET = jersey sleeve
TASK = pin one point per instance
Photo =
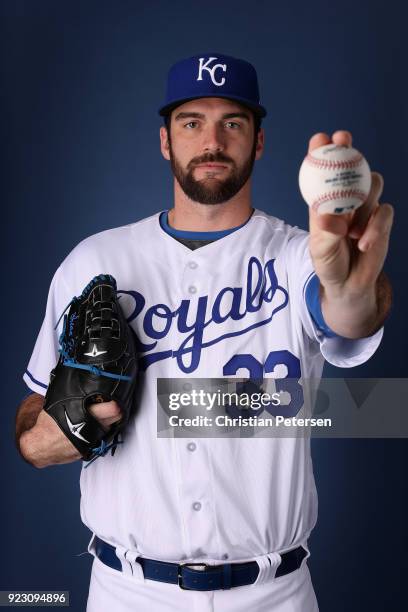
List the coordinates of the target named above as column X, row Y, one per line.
column 45, row 354
column 338, row 351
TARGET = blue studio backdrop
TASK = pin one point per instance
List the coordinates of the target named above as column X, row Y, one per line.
column 82, row 82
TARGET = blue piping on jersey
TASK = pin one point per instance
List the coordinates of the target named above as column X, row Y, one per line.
column 312, row 297
column 37, row 382
column 164, row 223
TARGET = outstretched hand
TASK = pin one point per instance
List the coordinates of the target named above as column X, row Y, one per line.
column 348, row 251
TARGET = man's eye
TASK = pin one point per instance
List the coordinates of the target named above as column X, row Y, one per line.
column 190, row 124
column 232, row 124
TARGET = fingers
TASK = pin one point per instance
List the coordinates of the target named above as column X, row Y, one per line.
column 106, row 413
column 326, row 231
column 378, row 228
column 341, row 137
column 373, row 245
column 335, row 224
column 338, row 225
column 363, row 214
column 105, row 410
column 318, row 140
column 353, row 224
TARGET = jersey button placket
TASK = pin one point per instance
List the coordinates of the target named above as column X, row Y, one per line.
column 195, row 486
column 196, row 495
column 191, row 278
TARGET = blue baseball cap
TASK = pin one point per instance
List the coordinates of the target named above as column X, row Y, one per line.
column 212, row 75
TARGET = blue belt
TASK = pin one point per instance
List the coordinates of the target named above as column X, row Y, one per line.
column 209, row 577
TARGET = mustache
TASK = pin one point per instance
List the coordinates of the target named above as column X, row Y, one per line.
column 210, row 158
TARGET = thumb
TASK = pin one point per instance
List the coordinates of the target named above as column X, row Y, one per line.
column 326, row 231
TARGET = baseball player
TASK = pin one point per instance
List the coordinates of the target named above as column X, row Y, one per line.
column 212, row 287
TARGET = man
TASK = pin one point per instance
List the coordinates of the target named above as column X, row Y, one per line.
column 213, row 288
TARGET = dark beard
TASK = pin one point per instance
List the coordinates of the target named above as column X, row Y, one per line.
column 221, row 190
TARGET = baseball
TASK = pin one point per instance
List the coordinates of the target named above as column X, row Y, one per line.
column 334, row 179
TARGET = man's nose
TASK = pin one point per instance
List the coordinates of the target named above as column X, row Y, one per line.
column 213, row 139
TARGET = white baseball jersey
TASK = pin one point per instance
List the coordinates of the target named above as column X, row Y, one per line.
column 233, row 307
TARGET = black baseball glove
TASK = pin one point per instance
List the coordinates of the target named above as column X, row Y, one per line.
column 98, row 363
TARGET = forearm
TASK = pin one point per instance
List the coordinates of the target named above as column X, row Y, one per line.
column 39, row 439
column 356, row 314
column 27, row 414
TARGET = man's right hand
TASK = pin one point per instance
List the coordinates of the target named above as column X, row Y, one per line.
column 106, row 413
column 39, row 439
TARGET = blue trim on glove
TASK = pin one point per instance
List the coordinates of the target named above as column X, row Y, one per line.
column 314, row 306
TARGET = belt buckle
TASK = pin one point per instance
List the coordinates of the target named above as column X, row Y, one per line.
column 180, row 575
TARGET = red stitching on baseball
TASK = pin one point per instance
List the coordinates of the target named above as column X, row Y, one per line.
column 338, row 195
column 327, row 164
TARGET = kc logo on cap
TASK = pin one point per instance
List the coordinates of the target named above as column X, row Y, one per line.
column 212, row 75
column 211, row 71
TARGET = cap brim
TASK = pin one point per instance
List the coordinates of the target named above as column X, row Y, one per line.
column 256, row 108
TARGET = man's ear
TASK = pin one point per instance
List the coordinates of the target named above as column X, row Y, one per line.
column 164, row 143
column 260, row 143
